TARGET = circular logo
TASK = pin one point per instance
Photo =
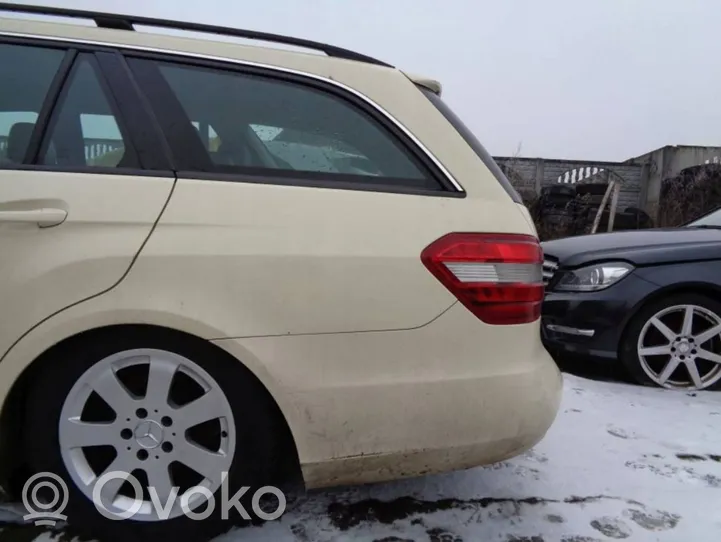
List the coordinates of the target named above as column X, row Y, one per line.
column 45, row 511
column 148, row 434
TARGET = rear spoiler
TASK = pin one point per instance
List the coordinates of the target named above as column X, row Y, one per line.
column 431, row 84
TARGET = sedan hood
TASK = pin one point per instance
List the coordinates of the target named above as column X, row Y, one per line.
column 639, row 247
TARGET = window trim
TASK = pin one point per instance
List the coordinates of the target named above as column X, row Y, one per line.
column 53, row 98
column 145, row 68
column 151, row 147
column 46, row 110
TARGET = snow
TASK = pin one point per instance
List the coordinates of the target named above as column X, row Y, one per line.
column 620, row 462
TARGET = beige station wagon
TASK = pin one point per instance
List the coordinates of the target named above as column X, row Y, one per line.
column 224, row 263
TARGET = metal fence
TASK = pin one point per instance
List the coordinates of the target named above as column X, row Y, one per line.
column 98, row 147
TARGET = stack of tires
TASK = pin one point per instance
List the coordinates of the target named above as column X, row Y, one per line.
column 588, row 200
column 552, row 212
column 564, row 210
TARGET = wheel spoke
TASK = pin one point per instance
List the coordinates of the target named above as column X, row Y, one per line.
column 113, row 392
column 707, row 335
column 79, row 434
column 687, row 326
column 656, row 350
column 160, row 378
column 111, row 488
column 204, row 462
column 693, row 373
column 709, row 356
column 159, row 479
column 663, row 328
column 668, row 370
column 210, row 406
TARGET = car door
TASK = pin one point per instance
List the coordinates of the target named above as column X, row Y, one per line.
column 78, row 196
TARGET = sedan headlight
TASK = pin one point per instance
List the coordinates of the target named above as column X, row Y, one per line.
column 592, row 278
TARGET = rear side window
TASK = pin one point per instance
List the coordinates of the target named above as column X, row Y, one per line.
column 473, row 142
column 256, row 124
column 27, row 73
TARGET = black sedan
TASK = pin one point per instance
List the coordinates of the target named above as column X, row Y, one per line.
column 650, row 299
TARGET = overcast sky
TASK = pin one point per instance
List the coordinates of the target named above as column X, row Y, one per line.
column 582, row 79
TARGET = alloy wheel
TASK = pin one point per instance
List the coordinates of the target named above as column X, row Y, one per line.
column 153, row 414
column 679, row 347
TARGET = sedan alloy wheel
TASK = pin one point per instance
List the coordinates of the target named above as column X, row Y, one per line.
column 679, row 347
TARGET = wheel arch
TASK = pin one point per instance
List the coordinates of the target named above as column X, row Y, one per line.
column 696, row 287
column 12, row 471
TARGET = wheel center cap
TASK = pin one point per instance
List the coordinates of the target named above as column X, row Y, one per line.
column 148, row 434
column 684, row 348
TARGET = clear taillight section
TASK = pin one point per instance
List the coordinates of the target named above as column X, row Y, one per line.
column 498, row 277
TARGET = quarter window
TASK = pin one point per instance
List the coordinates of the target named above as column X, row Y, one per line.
column 261, row 125
column 27, row 73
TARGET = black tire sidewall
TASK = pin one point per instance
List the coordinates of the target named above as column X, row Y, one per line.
column 255, row 435
column 628, row 352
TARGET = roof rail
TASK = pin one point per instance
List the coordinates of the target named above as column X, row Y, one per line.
column 128, row 22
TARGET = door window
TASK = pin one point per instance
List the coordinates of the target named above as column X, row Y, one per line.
column 27, row 73
column 84, row 130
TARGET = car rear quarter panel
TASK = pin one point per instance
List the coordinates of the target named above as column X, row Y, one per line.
column 254, row 260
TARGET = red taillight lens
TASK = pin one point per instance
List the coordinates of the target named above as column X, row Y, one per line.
column 499, row 277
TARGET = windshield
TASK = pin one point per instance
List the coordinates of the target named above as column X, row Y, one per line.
column 712, row 219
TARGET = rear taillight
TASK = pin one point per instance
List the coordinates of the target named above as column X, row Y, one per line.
column 498, row 277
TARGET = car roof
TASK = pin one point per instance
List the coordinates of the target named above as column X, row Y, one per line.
column 117, row 27
column 120, row 29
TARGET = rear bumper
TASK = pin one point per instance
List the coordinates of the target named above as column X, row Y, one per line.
column 465, row 423
column 592, row 323
column 453, row 394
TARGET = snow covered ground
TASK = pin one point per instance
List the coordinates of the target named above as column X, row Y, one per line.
column 621, row 462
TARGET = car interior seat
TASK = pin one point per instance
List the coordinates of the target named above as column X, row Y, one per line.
column 18, row 141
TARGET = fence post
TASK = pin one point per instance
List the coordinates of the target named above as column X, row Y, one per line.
column 540, row 173
column 614, row 204
column 604, row 201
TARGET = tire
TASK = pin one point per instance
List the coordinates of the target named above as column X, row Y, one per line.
column 251, row 424
column 563, row 190
column 592, row 189
column 649, row 369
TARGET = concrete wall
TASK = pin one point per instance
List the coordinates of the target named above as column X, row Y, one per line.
column 641, row 177
column 536, row 173
column 668, row 162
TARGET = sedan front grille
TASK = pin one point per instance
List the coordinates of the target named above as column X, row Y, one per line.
column 550, row 265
